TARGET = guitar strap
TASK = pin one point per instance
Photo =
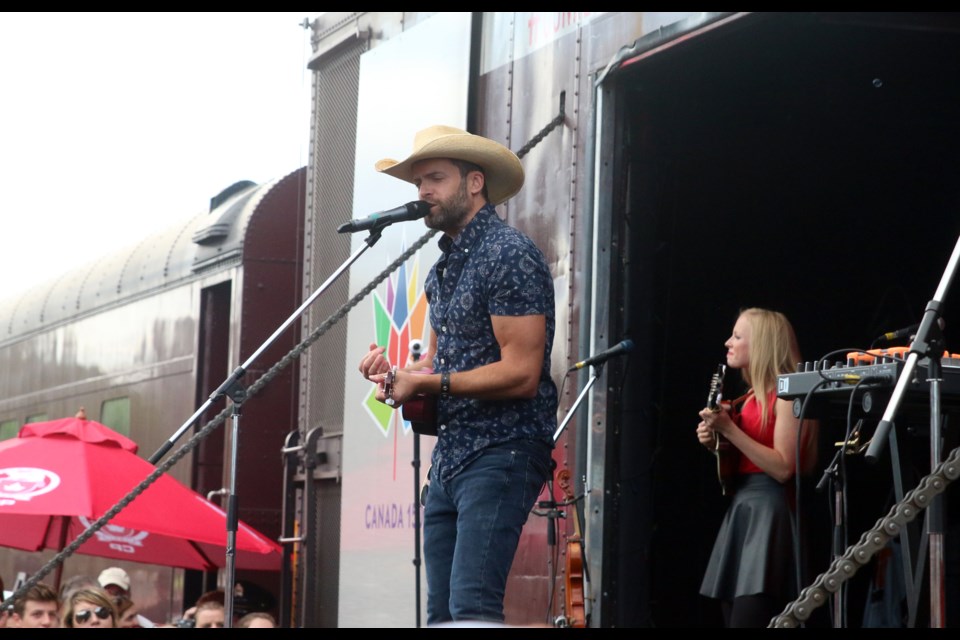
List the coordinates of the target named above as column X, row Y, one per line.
column 736, row 405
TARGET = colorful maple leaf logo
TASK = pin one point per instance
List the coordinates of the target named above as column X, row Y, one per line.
column 400, row 318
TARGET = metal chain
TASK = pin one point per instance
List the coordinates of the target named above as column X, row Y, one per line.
column 856, row 556
column 537, row 139
column 190, row 444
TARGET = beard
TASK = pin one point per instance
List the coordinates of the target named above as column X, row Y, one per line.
column 450, row 213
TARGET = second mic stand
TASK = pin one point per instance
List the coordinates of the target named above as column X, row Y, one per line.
column 833, row 475
column 551, row 505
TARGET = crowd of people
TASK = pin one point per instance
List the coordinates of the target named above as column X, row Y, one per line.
column 107, row 601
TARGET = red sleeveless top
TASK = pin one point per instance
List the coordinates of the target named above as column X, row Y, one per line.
column 748, row 419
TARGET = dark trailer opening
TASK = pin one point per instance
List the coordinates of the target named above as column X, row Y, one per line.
column 805, row 162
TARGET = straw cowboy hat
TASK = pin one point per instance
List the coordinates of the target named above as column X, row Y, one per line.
column 502, row 168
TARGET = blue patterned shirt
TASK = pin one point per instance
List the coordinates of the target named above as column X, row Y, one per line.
column 490, row 269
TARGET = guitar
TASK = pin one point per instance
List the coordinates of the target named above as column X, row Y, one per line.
column 420, row 411
column 726, row 454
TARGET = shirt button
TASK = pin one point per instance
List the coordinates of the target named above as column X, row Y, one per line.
column 443, row 361
column 443, row 328
column 443, row 427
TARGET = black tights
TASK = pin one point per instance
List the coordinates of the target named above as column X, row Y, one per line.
column 751, row 612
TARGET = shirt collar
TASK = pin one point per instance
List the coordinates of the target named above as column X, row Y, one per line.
column 472, row 232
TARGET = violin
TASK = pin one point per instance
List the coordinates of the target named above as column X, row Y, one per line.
column 573, row 575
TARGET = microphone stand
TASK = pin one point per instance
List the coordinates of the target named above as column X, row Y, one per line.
column 237, row 395
column 832, row 474
column 416, row 518
column 417, row 504
column 597, row 368
column 232, row 387
column 551, row 504
column 928, row 343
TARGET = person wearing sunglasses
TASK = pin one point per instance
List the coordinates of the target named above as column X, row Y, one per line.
column 89, row 608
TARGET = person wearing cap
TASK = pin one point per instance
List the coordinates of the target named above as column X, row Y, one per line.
column 115, row 581
column 492, row 324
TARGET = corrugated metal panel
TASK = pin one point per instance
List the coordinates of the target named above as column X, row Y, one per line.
column 329, row 202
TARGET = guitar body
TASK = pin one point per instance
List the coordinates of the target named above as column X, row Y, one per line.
column 421, row 412
column 728, row 457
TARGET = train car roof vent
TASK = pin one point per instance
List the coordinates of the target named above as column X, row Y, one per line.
column 226, row 194
column 216, row 231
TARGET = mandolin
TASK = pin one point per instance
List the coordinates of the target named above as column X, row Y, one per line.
column 727, row 455
column 420, row 411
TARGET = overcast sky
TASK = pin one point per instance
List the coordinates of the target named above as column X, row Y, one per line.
column 115, row 125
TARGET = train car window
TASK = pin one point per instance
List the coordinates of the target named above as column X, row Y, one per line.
column 115, row 413
column 9, row 429
column 37, row 417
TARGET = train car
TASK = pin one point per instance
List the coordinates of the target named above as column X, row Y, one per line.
column 143, row 335
column 679, row 167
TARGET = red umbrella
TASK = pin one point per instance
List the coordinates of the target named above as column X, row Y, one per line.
column 58, row 477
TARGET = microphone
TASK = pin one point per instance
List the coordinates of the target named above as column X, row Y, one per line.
column 410, row 211
column 620, row 348
column 908, row 331
column 900, row 333
column 416, row 349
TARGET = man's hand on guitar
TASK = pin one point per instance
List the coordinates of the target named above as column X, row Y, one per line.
column 374, row 363
column 375, row 367
column 395, row 387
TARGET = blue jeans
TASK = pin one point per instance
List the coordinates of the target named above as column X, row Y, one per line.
column 471, row 529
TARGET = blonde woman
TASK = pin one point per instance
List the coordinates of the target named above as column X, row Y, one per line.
column 751, row 569
column 90, row 607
